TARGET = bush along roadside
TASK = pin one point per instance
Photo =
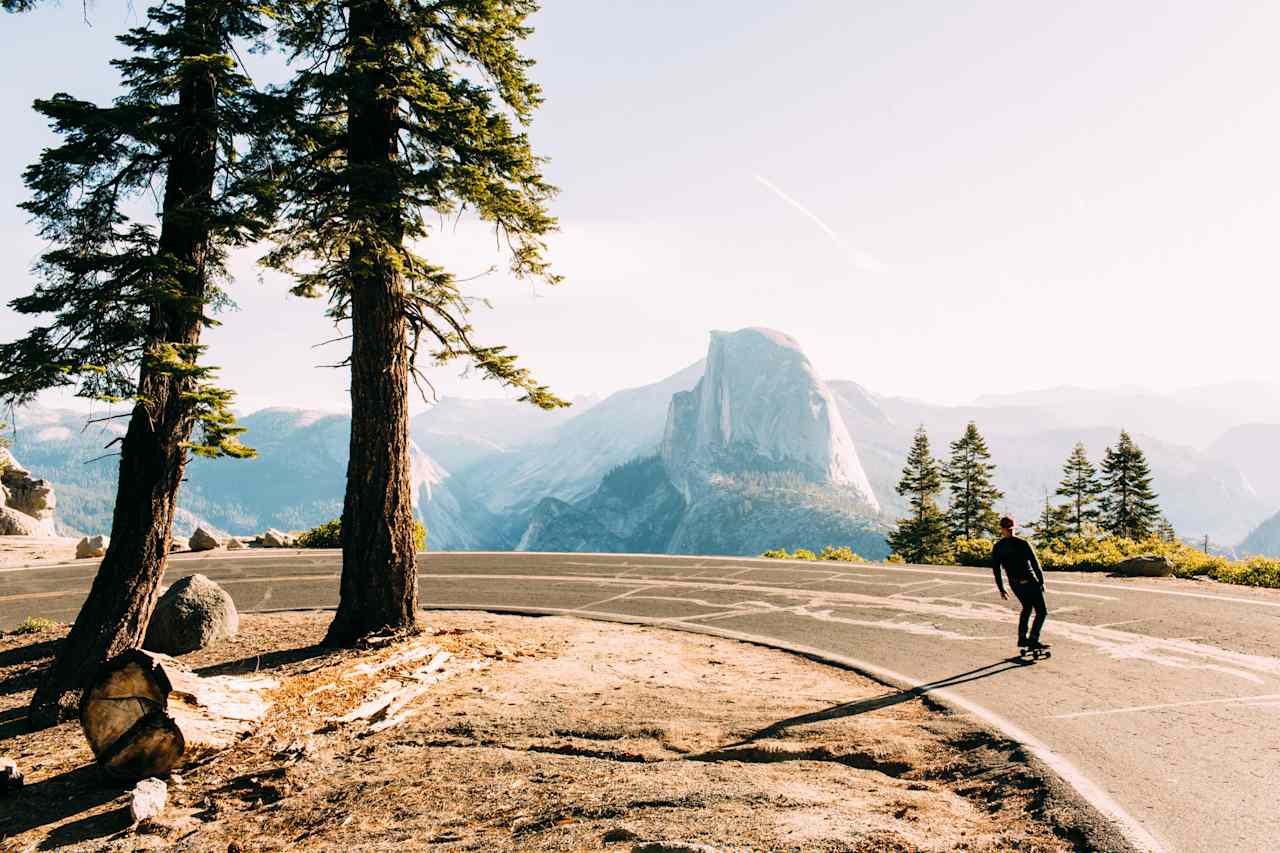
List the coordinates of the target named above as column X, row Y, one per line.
column 841, row 554
column 1083, row 554
column 329, row 535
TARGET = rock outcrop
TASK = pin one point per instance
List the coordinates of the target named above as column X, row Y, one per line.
column 192, row 613
column 275, row 539
column 203, row 540
column 92, row 546
column 760, row 408
column 26, row 504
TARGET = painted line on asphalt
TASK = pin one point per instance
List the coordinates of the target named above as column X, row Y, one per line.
column 610, row 562
column 1135, row 708
column 1129, row 826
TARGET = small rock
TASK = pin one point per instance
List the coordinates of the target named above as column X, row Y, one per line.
column 149, row 798
column 191, row 614
column 234, row 544
column 275, row 539
column 675, row 847
column 92, row 546
column 203, row 540
column 177, row 544
column 10, row 776
column 1146, row 566
column 619, row 833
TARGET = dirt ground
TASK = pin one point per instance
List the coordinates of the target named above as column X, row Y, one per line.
column 554, row 735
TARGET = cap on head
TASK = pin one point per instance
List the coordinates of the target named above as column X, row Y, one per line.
column 1006, row 523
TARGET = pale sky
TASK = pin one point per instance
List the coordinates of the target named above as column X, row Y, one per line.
column 938, row 199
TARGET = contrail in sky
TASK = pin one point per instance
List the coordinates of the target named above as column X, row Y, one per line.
column 861, row 259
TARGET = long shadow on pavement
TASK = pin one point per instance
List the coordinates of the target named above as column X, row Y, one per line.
column 886, row 700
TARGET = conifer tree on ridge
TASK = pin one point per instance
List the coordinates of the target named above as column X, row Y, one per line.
column 971, row 513
column 921, row 537
column 1081, row 488
column 1128, row 504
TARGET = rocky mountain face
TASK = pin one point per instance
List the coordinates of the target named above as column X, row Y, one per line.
column 299, row 476
column 569, row 461
column 1263, row 540
column 756, row 452
column 760, row 408
column 27, row 505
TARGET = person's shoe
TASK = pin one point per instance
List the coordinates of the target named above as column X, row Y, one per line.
column 1036, row 645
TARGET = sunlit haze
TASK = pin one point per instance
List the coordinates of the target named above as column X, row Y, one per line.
column 937, row 201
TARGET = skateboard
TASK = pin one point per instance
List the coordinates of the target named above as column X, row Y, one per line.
column 1030, row 654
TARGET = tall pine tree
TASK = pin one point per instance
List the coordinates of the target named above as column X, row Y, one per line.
column 402, row 112
column 1128, row 504
column 971, row 513
column 1053, row 524
column 1081, row 488
column 922, row 536
column 128, row 304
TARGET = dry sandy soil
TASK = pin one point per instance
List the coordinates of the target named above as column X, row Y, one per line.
column 569, row 735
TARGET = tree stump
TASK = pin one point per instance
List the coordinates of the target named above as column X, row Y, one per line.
column 144, row 713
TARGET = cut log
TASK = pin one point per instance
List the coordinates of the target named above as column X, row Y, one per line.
column 146, row 714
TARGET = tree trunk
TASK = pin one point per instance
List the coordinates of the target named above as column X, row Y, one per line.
column 379, row 587
column 152, row 458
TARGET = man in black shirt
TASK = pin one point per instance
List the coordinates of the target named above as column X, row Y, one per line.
column 1019, row 561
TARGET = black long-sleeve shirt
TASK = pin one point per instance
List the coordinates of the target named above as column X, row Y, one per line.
column 1018, row 559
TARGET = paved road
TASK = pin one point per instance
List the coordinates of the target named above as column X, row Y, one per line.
column 1161, row 703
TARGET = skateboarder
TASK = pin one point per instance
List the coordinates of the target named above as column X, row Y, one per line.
column 1018, row 559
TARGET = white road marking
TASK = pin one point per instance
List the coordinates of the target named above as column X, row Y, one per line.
column 1135, row 708
column 612, row 598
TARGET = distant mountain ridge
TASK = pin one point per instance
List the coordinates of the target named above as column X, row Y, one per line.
column 485, row 469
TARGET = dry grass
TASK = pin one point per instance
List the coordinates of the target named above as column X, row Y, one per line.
column 573, row 733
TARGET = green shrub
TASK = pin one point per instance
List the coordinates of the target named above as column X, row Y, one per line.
column 329, row 535
column 36, row 625
column 842, row 554
column 973, row 552
column 1256, row 571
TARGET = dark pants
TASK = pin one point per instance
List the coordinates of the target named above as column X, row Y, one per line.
column 1032, row 597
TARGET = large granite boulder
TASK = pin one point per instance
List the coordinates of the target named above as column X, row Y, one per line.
column 275, row 539
column 203, row 540
column 30, row 503
column 177, row 543
column 234, row 544
column 92, row 546
column 14, row 523
column 1146, row 566
column 192, row 614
